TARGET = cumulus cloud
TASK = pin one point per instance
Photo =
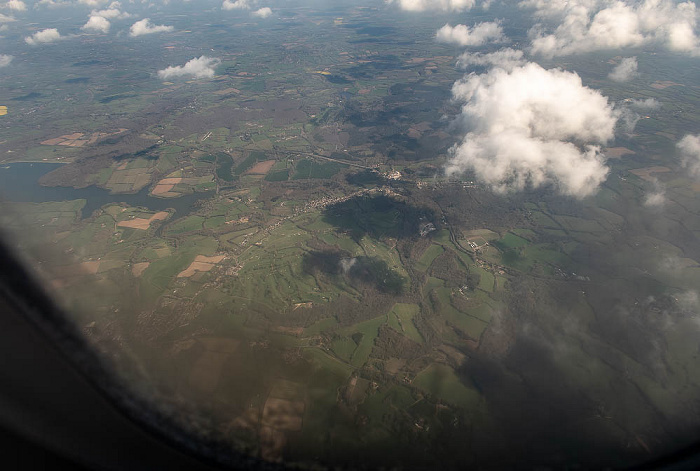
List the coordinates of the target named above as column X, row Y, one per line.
column 200, row 67
column 54, row 3
column 97, row 24
column 5, row 60
column 591, row 25
column 532, row 127
column 262, row 13
column 92, row 3
column 480, row 34
column 238, row 4
column 628, row 117
column 111, row 13
column 44, row 36
column 689, row 147
column 506, row 58
column 434, row 5
column 6, row 19
column 16, row 5
column 145, row 26
column 625, row 71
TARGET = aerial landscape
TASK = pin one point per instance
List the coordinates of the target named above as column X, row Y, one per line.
column 363, row 233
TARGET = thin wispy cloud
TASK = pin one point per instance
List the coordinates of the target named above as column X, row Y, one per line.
column 5, row 60
column 506, row 58
column 689, row 148
column 645, row 104
column 656, row 198
column 625, row 71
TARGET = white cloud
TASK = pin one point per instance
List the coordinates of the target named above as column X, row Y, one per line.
column 505, row 58
column 16, row 5
column 5, row 60
column 145, row 26
column 97, row 24
column 92, row 3
column 44, row 36
column 111, row 13
column 556, row 8
column 262, row 13
column 625, row 71
column 54, row 3
column 434, row 5
column 238, row 4
column 479, row 35
column 522, row 126
column 690, row 153
column 590, row 25
column 6, row 19
column 200, row 67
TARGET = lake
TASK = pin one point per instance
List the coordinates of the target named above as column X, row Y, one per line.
column 20, row 182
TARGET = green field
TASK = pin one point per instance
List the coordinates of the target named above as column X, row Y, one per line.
column 511, row 241
column 310, row 169
column 343, row 347
column 401, row 319
column 468, row 324
column 442, row 382
column 277, row 176
column 187, row 224
column 224, row 163
column 430, row 254
column 252, row 158
column 369, row 330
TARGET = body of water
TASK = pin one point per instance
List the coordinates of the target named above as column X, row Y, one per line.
column 20, row 182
